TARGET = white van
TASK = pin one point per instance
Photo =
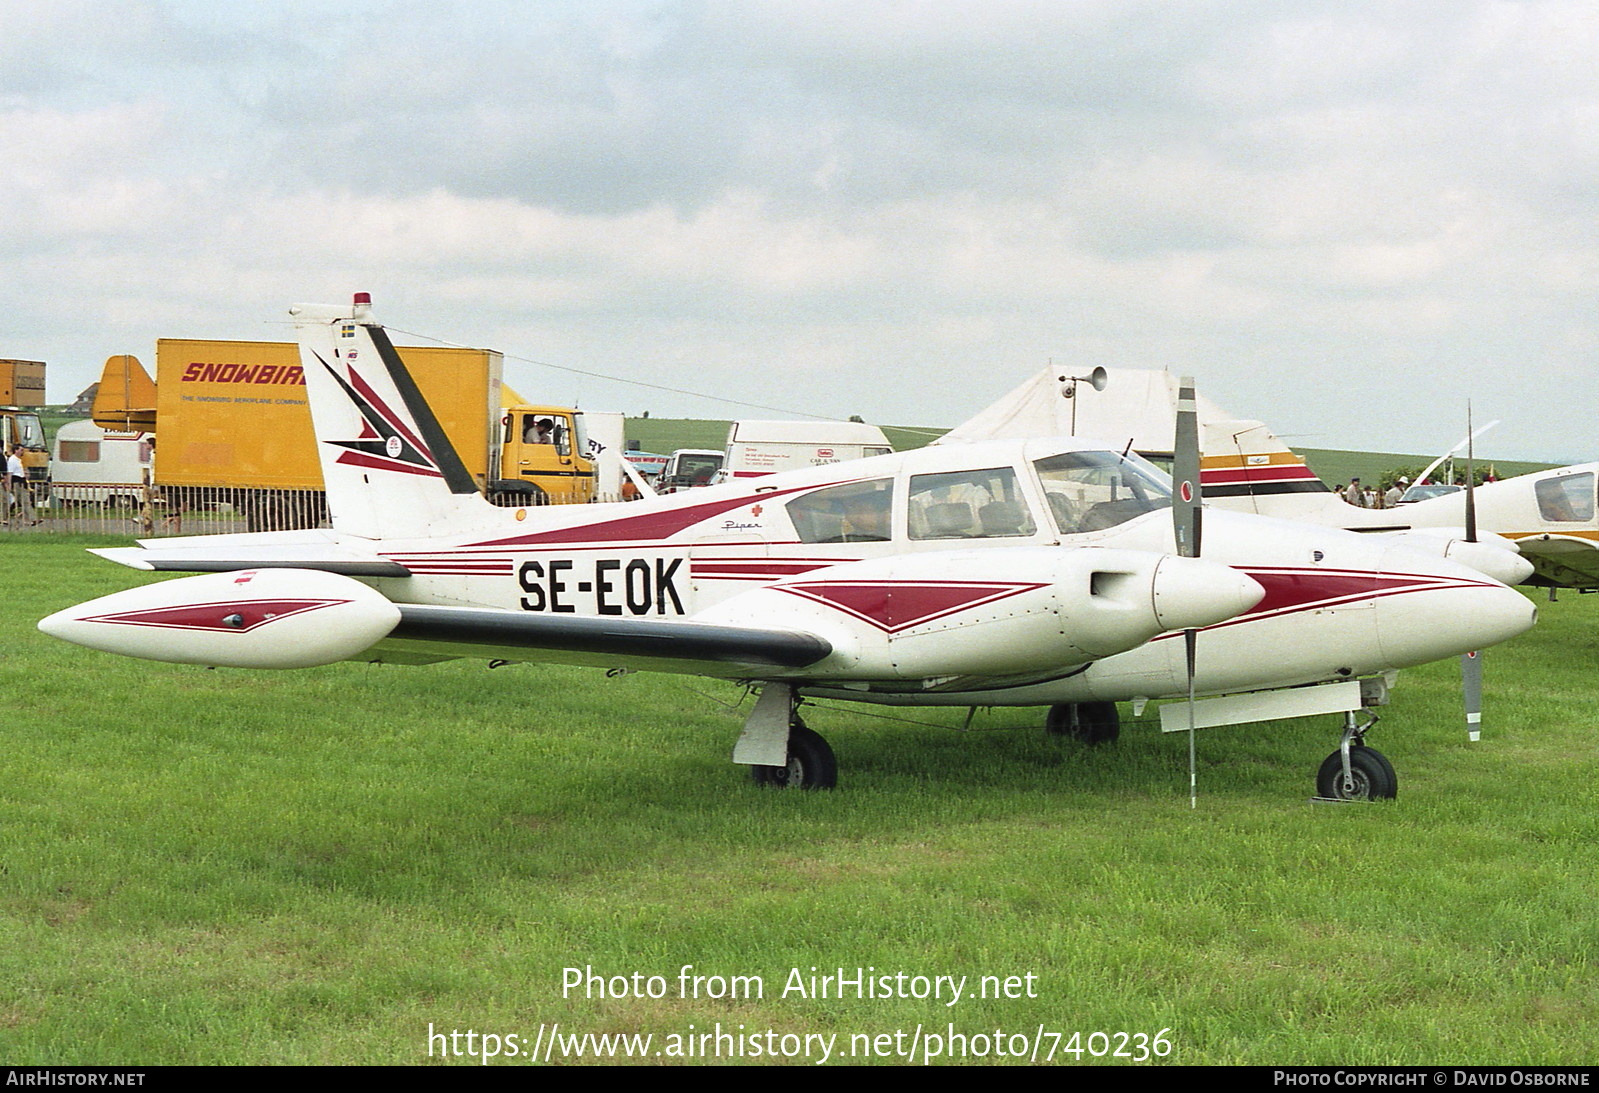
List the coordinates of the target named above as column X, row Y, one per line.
column 93, row 465
column 765, row 447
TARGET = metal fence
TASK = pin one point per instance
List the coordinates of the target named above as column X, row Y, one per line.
column 152, row 512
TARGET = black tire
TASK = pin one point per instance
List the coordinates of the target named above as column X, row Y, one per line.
column 811, row 764
column 1370, row 770
column 1088, row 722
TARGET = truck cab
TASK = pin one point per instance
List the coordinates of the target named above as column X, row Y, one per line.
column 20, row 426
column 543, row 458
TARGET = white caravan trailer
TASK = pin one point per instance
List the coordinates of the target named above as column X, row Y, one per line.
column 90, row 464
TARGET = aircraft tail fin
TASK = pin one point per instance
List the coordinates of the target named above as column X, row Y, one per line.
column 124, row 402
column 1248, row 469
column 388, row 467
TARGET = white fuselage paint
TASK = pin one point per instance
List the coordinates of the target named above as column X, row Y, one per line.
column 1338, row 605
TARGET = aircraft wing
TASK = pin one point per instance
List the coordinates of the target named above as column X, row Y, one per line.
column 1567, row 561
column 431, row 632
column 277, row 617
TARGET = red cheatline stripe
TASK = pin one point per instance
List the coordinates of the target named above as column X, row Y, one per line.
column 893, row 606
column 660, row 524
column 395, row 420
column 211, row 616
column 1290, row 591
column 1257, row 474
column 361, row 459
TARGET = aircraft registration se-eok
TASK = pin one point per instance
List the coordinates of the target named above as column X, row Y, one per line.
column 1055, row 573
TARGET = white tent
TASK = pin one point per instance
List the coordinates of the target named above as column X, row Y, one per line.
column 1136, row 405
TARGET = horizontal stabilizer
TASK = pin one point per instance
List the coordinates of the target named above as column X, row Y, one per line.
column 223, row 560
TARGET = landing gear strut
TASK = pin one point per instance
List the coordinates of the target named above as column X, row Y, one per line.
column 780, row 749
column 1355, row 772
column 1089, row 722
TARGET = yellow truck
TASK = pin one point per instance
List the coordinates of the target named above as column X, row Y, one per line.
column 231, row 425
column 544, row 458
column 21, row 394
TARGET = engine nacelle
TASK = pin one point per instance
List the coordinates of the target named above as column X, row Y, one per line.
column 266, row 618
column 1491, row 555
column 1030, row 610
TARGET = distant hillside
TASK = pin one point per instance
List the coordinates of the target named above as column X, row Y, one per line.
column 663, row 435
column 1335, row 468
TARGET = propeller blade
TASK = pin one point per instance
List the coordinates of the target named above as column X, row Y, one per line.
column 1471, row 663
column 1185, row 472
column 1186, row 517
column 1190, row 643
column 1421, row 478
column 1471, row 688
column 1471, row 481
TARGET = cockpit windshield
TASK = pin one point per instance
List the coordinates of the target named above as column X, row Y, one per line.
column 30, row 432
column 1091, row 491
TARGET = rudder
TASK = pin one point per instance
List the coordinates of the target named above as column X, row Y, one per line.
column 389, row 469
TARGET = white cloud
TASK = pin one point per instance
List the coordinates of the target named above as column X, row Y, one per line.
column 895, row 209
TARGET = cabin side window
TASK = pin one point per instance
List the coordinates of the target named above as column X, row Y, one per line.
column 968, row 505
column 856, row 512
column 1567, row 499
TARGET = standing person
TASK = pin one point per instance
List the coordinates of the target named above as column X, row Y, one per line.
column 1395, row 492
column 1355, row 495
column 17, row 487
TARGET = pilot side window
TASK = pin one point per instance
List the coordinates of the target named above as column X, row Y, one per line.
column 1566, row 499
column 1091, row 491
column 968, row 505
column 541, row 429
column 857, row 512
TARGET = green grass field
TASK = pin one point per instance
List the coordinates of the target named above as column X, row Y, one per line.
column 665, row 435
column 217, row 866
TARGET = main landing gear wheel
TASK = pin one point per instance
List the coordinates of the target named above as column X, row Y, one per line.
column 1371, row 776
column 811, row 764
column 1089, row 722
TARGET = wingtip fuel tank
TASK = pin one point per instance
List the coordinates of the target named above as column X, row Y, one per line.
column 272, row 618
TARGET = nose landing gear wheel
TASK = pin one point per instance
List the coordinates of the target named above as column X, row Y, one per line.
column 1371, row 776
column 811, row 764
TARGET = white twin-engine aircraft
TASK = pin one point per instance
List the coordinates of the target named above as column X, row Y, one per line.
column 1052, row 573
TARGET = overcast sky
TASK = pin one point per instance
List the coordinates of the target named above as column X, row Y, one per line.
column 1342, row 217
